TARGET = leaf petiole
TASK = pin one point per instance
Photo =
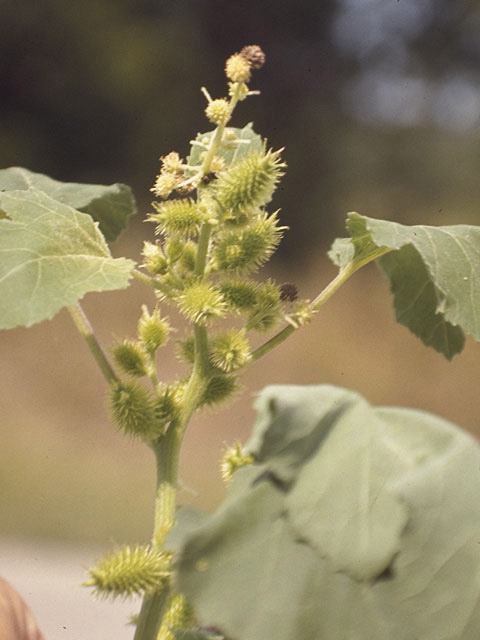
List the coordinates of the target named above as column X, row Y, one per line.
column 86, row 330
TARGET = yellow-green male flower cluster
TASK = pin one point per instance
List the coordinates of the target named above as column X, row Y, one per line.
column 218, row 111
column 234, row 458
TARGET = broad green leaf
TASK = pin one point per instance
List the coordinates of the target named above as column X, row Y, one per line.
column 109, row 205
column 187, row 519
column 50, row 256
column 299, row 548
column 434, row 275
column 231, row 152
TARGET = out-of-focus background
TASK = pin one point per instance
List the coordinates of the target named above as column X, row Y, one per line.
column 377, row 103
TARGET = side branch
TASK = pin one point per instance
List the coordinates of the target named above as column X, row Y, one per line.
column 343, row 275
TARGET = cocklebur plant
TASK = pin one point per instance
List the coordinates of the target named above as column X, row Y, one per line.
column 333, row 506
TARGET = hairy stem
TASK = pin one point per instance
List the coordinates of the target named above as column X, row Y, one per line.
column 85, row 328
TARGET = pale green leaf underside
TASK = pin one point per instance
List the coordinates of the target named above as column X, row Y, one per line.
column 358, row 522
column 50, row 256
column 434, row 275
column 251, row 142
column 109, row 205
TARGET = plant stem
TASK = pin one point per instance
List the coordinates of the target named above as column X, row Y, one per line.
column 85, row 328
column 202, row 249
column 167, row 450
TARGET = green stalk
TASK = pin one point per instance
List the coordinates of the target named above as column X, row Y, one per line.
column 218, row 135
column 85, row 328
column 167, row 451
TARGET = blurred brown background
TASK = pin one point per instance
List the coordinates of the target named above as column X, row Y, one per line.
column 377, row 103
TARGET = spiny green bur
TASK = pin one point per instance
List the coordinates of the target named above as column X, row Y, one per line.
column 130, row 571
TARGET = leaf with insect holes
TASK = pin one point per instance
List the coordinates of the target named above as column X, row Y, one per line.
column 434, row 275
column 238, row 143
column 50, row 256
column 109, row 205
column 355, row 522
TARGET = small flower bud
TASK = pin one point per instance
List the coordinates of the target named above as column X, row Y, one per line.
column 254, row 55
column 217, row 164
column 132, row 410
column 201, row 302
column 229, row 350
column 164, row 184
column 238, row 89
column 171, row 163
column 155, row 261
column 234, row 458
column 301, row 314
column 237, row 68
column 130, row 571
column 130, row 356
column 218, row 111
column 153, row 330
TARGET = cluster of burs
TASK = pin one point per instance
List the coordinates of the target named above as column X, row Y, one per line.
column 213, row 233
